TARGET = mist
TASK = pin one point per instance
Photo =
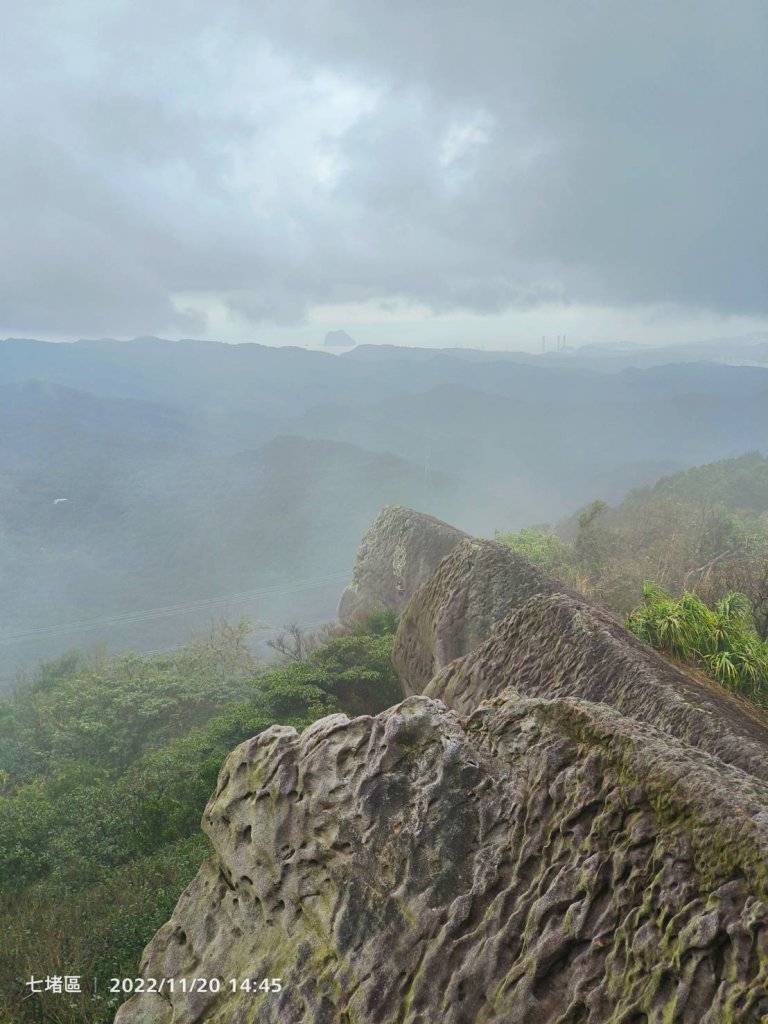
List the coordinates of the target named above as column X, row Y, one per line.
column 151, row 487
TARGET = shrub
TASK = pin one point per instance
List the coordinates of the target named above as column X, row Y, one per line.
column 722, row 639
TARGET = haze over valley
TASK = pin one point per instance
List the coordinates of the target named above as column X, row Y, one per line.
column 494, row 263
column 149, row 488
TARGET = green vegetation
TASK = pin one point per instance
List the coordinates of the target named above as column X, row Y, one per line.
column 722, row 640
column 542, row 546
column 702, row 537
column 106, row 768
column 739, row 485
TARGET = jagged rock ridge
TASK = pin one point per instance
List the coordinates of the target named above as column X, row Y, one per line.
column 520, row 859
column 558, row 645
column 398, row 553
column 461, row 604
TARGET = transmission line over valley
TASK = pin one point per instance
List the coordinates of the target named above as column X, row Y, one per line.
column 204, row 604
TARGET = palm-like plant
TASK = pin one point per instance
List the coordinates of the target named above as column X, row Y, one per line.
column 722, row 640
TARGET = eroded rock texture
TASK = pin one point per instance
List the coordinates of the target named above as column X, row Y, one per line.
column 564, row 829
column 560, row 645
column 460, row 604
column 398, row 553
column 542, row 861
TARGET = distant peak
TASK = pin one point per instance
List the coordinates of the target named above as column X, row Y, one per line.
column 339, row 339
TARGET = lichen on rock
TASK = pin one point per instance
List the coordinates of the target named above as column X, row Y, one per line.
column 539, row 861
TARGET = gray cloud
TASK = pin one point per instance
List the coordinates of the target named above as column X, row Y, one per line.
column 466, row 157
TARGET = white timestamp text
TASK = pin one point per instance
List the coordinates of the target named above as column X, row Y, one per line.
column 131, row 986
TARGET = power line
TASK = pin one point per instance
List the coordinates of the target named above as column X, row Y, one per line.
column 190, row 606
column 204, row 604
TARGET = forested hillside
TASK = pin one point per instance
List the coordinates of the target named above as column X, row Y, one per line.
column 686, row 560
column 704, row 530
column 105, row 768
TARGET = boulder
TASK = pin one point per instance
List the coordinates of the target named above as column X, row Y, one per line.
column 460, row 604
column 560, row 645
column 540, row 861
column 398, row 553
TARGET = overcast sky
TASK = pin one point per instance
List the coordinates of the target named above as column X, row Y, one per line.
column 429, row 171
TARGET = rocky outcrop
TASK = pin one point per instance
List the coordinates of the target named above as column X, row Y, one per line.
column 487, row 619
column 398, row 553
column 563, row 829
column 541, row 861
column 459, row 606
column 559, row 645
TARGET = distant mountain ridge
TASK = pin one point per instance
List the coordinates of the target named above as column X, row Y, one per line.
column 149, row 441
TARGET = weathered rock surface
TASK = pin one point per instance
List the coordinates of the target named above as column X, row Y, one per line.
column 559, row 645
column 543, row 861
column 564, row 829
column 459, row 606
column 398, row 553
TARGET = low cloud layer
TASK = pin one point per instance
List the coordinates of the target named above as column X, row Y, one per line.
column 160, row 160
